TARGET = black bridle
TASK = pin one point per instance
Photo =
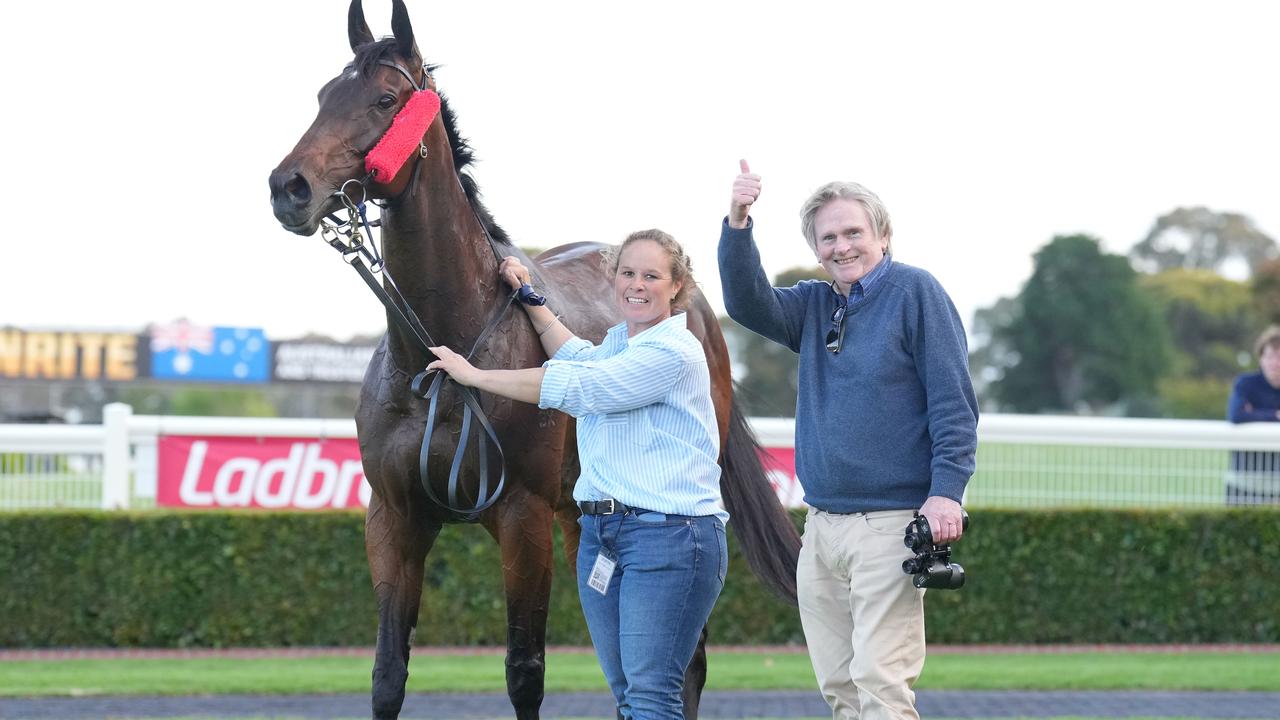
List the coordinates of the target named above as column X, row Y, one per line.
column 353, row 238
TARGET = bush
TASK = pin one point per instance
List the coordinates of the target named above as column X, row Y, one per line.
column 216, row 579
column 1195, row 398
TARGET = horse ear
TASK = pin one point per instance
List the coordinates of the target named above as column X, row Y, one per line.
column 403, row 30
column 357, row 29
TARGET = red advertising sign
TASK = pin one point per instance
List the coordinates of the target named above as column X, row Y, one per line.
column 235, row 472
column 312, row 474
column 780, row 465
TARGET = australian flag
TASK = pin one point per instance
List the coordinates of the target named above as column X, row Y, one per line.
column 182, row 351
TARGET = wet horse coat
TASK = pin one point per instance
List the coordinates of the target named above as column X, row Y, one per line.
column 436, row 241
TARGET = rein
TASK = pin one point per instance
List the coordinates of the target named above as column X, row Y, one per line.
column 348, row 237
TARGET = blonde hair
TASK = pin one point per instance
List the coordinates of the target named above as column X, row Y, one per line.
column 681, row 265
column 1269, row 338
column 877, row 213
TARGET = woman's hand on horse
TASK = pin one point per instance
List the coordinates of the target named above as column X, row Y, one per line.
column 514, row 273
column 746, row 190
column 454, row 364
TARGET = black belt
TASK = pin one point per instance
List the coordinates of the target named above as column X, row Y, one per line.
column 608, row 506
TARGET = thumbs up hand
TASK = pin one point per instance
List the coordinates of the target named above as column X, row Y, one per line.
column 746, row 190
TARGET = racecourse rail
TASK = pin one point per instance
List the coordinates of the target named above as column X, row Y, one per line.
column 1024, row 461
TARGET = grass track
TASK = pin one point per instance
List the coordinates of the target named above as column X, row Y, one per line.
column 579, row 672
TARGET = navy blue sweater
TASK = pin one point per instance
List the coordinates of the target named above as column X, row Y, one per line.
column 1252, row 389
column 1263, row 402
column 889, row 420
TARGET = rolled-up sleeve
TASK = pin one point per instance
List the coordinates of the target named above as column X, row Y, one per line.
column 575, row 348
column 639, row 376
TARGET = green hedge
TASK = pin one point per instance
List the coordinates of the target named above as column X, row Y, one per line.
column 161, row 579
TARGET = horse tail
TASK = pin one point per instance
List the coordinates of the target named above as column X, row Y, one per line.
column 764, row 530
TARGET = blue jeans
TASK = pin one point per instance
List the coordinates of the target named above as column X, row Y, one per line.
column 670, row 570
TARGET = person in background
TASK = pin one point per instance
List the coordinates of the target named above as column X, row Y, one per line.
column 1255, row 397
column 652, row 556
column 886, row 426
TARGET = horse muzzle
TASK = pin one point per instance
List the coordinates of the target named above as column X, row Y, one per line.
column 293, row 201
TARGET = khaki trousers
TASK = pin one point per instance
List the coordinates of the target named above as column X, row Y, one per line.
column 863, row 619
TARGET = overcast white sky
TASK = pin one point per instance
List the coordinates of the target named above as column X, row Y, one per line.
column 140, row 135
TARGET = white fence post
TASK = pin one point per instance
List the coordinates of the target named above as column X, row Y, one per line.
column 115, row 456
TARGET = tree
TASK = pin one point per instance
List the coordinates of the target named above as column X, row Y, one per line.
column 767, row 372
column 1083, row 336
column 1199, row 238
column 991, row 355
column 1266, row 292
column 1211, row 320
column 1212, row 324
column 790, row 277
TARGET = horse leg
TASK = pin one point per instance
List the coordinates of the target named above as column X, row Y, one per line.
column 570, row 535
column 695, row 678
column 397, row 547
column 524, row 534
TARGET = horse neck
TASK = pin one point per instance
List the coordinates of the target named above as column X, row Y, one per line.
column 439, row 255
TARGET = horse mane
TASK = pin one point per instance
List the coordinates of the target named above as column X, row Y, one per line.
column 464, row 156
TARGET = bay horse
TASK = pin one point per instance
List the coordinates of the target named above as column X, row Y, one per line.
column 441, row 246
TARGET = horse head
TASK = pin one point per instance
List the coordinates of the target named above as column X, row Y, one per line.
column 357, row 108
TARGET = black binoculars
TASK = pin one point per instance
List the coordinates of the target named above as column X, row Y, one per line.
column 932, row 566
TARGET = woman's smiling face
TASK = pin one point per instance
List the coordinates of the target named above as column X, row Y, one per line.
column 642, row 286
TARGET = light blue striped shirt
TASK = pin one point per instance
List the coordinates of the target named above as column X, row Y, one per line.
column 647, row 430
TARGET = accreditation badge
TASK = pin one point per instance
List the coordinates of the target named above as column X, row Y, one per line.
column 601, row 573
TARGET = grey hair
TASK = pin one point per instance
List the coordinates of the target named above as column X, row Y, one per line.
column 681, row 265
column 877, row 213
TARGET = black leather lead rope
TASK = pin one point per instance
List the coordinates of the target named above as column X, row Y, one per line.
column 402, row 314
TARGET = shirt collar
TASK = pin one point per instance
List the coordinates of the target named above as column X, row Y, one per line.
column 619, row 331
column 866, row 281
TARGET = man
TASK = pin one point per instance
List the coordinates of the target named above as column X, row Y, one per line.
column 1255, row 397
column 886, row 424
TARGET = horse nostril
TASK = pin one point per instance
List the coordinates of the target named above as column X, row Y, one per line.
column 298, row 189
column 291, row 188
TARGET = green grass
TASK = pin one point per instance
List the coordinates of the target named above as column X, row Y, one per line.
column 1104, row 671
column 61, row 490
column 579, row 672
column 1029, row 476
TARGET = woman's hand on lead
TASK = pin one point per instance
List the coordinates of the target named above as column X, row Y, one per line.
column 514, row 273
column 454, row 364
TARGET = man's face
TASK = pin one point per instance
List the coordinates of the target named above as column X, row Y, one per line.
column 1270, row 362
column 847, row 246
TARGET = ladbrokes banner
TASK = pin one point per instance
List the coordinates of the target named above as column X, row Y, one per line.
column 234, row 472
column 311, row 473
column 780, row 465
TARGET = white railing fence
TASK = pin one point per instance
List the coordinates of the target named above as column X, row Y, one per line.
column 1053, row 461
column 1023, row 460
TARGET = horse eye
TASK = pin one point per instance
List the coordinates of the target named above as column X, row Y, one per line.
column 387, row 101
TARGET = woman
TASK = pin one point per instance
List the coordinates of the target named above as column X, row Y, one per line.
column 652, row 558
